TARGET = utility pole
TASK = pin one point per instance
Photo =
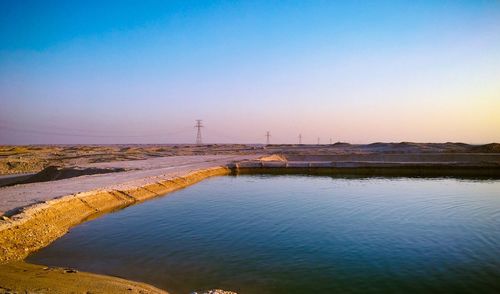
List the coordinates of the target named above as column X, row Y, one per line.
column 318, row 140
column 300, row 139
column 267, row 138
column 198, row 134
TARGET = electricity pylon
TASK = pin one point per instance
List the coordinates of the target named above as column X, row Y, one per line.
column 198, row 134
column 267, row 138
column 300, row 139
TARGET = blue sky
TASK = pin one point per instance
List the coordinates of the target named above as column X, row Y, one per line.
column 143, row 71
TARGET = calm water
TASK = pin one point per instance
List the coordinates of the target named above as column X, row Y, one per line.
column 296, row 234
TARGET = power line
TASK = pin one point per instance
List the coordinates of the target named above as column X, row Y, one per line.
column 70, row 132
column 300, row 139
column 65, row 134
column 198, row 134
column 267, row 138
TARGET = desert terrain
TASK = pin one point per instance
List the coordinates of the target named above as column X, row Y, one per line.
column 33, row 158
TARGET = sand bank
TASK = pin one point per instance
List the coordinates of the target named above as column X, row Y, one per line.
column 21, row 277
column 138, row 173
column 40, row 224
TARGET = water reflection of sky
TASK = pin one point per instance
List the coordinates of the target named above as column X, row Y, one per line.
column 292, row 234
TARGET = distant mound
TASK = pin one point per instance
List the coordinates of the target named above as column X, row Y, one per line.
column 487, row 148
column 412, row 147
column 341, row 144
column 378, row 145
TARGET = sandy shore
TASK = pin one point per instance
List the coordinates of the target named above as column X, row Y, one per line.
column 21, row 277
column 34, row 215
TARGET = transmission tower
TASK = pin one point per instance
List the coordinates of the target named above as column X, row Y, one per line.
column 267, row 138
column 300, row 139
column 318, row 140
column 331, row 142
column 198, row 134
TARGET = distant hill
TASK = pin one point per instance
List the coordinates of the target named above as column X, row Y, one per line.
column 487, row 148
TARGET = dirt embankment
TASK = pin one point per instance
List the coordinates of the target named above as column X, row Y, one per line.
column 39, row 225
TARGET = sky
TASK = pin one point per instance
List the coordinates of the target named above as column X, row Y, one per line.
column 79, row 72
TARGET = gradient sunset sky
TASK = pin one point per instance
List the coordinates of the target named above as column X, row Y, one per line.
column 353, row 71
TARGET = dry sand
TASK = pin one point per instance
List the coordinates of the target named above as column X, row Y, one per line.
column 20, row 277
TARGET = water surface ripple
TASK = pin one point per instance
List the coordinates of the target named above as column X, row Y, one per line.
column 300, row 234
